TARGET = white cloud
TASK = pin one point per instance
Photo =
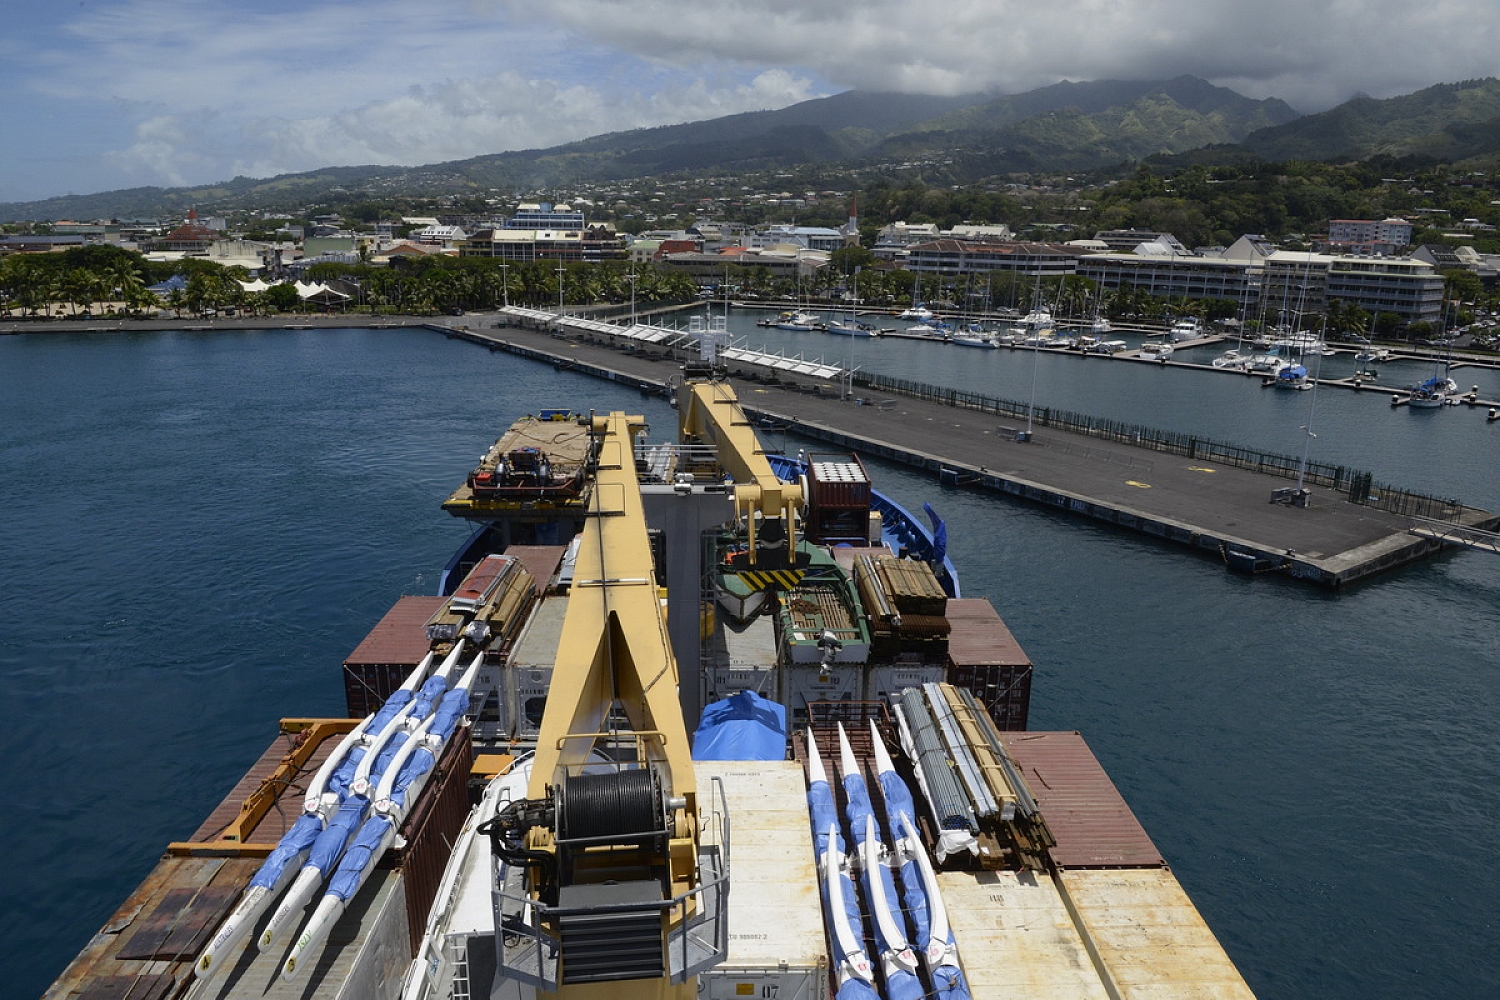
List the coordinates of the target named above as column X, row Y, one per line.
column 213, row 89
column 453, row 120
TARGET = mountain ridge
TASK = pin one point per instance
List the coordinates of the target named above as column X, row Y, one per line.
column 1068, row 126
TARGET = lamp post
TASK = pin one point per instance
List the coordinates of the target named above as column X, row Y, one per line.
column 1036, row 344
column 632, row 295
column 505, row 283
column 559, row 290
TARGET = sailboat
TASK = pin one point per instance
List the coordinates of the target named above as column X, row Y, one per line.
column 916, row 311
column 852, row 326
column 1437, row 390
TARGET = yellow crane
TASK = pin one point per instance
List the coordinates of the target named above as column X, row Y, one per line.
column 709, row 413
column 612, row 891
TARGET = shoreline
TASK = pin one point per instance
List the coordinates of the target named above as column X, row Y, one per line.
column 115, row 324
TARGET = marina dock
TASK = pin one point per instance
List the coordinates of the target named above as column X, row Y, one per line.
column 1253, row 521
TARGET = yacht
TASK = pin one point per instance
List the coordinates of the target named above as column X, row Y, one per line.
column 973, row 335
column 1186, row 328
column 917, row 312
column 1269, row 363
column 1233, row 359
column 798, row 319
column 1301, row 342
column 1292, row 377
column 1156, row 350
column 936, row 329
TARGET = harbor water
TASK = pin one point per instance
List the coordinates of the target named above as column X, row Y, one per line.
column 200, row 525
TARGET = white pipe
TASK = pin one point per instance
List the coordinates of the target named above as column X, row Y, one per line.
column 880, row 906
column 388, row 779
column 234, row 929
column 847, row 765
column 416, row 677
column 314, row 801
column 360, row 784
column 307, row 883
column 815, row 770
column 940, row 950
column 450, row 661
column 466, row 682
column 882, row 756
column 853, row 962
column 324, row 917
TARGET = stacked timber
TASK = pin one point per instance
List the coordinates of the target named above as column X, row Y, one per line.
column 905, row 605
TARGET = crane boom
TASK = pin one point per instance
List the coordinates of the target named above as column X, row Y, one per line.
column 710, row 413
column 615, row 894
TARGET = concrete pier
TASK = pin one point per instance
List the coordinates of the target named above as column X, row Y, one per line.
column 1250, row 520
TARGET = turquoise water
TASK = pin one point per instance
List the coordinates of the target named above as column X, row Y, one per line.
column 200, row 526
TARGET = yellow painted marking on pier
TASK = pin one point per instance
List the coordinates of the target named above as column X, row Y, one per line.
column 1139, row 486
column 1201, row 468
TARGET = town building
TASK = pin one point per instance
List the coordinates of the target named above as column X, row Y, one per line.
column 1365, row 236
column 190, row 237
column 1173, row 275
column 806, row 237
column 959, row 257
column 545, row 216
column 594, row 243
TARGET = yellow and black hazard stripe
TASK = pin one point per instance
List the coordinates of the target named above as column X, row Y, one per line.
column 772, row 579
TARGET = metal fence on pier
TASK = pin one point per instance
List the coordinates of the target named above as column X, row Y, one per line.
column 1360, row 486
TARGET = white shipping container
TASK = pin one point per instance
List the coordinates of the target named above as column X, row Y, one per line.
column 887, row 680
column 746, row 661
column 802, row 684
column 528, row 674
column 777, row 949
column 721, row 682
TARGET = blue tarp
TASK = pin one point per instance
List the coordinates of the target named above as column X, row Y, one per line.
column 899, row 984
column 948, row 980
column 346, row 881
column 296, row 840
column 824, row 815
column 330, row 843
column 898, row 802
column 432, row 692
column 744, row 726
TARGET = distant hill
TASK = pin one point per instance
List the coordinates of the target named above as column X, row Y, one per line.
column 817, row 131
column 1450, row 121
column 1067, row 126
column 1083, row 126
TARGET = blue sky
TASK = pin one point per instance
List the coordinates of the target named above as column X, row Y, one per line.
column 104, row 94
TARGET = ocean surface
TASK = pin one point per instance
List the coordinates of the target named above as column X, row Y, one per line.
column 197, row 527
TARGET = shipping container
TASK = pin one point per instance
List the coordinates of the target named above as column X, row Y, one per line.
column 1016, row 938
column 385, row 656
column 1092, row 825
column 528, row 673
column 541, row 561
column 838, row 499
column 741, row 658
column 884, row 681
column 776, row 942
column 802, row 684
column 985, row 657
column 1005, row 691
column 1147, row 933
column 430, row 829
